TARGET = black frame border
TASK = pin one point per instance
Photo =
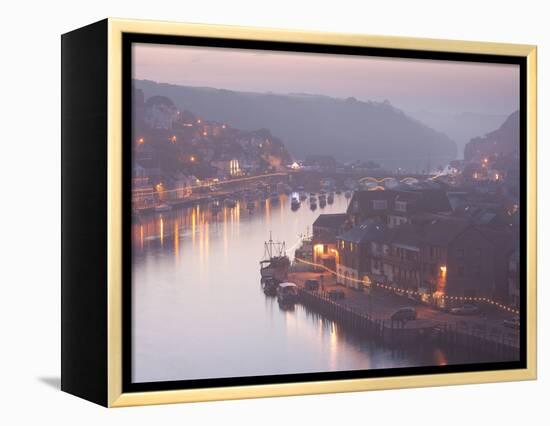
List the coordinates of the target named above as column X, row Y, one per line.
column 130, row 38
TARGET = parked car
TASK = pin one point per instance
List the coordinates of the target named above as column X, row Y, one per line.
column 336, row 294
column 311, row 285
column 465, row 310
column 511, row 323
column 404, row 314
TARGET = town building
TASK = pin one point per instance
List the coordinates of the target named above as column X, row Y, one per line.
column 442, row 258
column 354, row 255
column 395, row 207
column 514, row 279
column 142, row 190
column 326, row 228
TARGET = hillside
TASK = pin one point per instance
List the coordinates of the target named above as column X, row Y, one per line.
column 461, row 127
column 346, row 129
column 504, row 141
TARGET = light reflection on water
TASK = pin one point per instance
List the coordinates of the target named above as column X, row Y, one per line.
column 199, row 312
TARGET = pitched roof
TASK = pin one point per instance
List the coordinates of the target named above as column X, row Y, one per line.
column 421, row 200
column 405, row 234
column 440, row 230
column 333, row 221
column 367, row 231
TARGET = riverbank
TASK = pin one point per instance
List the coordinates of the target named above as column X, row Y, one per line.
column 371, row 313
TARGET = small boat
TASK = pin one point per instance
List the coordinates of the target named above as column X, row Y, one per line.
column 295, row 204
column 161, row 208
column 312, row 195
column 313, row 205
column 230, row 202
column 269, row 286
column 347, row 194
column 303, row 196
column 215, row 207
column 330, row 198
column 322, row 203
column 287, row 293
column 274, row 198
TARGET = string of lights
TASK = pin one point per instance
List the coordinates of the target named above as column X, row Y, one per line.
column 220, row 183
column 402, row 291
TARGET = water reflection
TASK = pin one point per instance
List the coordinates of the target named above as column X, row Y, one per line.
column 198, row 310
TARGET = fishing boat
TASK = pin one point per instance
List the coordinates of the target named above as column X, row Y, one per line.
column 275, row 263
column 295, row 204
column 287, row 293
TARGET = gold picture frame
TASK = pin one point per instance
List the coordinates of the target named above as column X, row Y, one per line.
column 116, row 28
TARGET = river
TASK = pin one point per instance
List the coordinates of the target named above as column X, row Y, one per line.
column 199, row 311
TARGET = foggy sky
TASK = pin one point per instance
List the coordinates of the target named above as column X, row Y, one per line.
column 413, row 85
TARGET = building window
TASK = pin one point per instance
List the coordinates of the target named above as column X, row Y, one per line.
column 401, row 206
column 379, row 204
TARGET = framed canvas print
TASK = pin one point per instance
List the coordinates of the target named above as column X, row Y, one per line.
column 251, row 212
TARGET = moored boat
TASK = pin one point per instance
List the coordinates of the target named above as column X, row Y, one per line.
column 269, row 286
column 275, row 263
column 274, row 198
column 295, row 204
column 230, row 202
column 287, row 293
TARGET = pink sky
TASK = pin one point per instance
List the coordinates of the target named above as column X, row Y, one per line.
column 437, row 86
